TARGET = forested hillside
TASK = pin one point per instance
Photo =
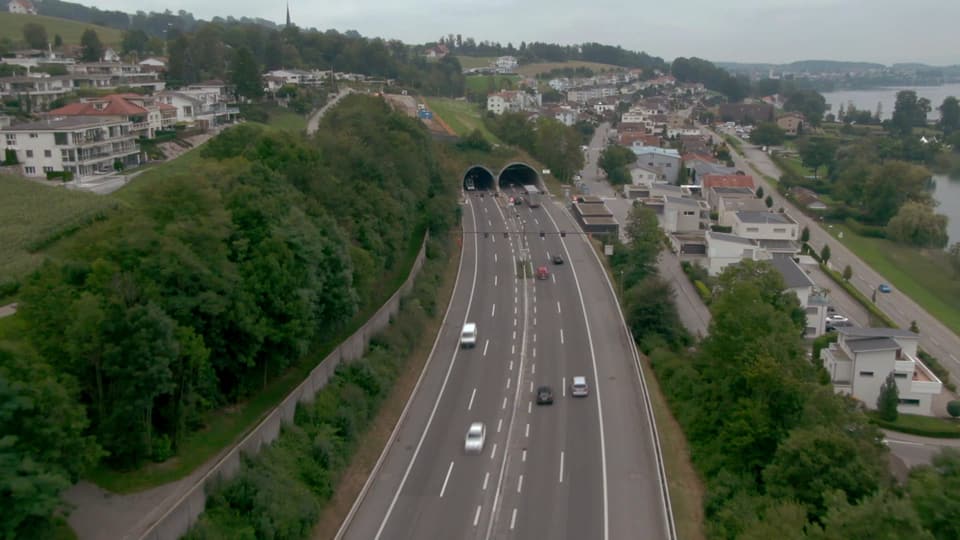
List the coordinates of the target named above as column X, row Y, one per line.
column 203, row 288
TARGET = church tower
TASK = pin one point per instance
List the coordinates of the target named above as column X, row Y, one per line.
column 288, row 14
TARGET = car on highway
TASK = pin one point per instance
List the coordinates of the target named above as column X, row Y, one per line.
column 468, row 336
column 543, row 273
column 836, row 318
column 579, row 388
column 558, row 259
column 476, row 436
column 884, row 288
column 544, row 395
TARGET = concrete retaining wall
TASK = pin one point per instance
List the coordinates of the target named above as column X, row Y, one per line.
column 178, row 519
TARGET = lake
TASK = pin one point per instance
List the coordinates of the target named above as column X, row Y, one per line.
column 947, row 192
column 868, row 99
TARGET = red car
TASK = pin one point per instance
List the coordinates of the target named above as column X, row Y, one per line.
column 543, row 273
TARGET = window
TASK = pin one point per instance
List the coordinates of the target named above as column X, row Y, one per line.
column 48, row 169
column 29, row 153
column 689, row 213
column 753, row 229
column 779, row 230
column 30, row 170
column 33, row 135
column 60, row 139
column 866, row 374
column 900, row 375
column 910, row 402
column 899, row 354
column 47, row 153
column 11, row 138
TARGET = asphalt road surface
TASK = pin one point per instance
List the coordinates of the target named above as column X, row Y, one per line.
column 580, row 468
column 935, row 338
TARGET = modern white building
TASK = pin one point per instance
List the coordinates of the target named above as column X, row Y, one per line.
column 593, row 93
column 83, row 145
column 506, row 64
column 643, row 175
column 862, row 358
column 725, row 249
column 764, row 226
column 813, row 300
column 35, row 93
column 204, row 104
column 513, row 101
column 666, row 161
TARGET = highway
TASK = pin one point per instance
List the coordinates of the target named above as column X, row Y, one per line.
column 579, row 468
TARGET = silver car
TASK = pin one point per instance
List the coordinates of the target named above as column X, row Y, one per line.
column 476, row 436
column 579, row 388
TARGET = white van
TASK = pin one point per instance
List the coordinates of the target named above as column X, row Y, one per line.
column 579, row 387
column 468, row 337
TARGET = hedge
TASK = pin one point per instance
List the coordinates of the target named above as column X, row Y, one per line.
column 914, row 430
column 703, row 291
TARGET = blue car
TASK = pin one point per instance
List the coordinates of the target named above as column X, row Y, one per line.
column 884, row 288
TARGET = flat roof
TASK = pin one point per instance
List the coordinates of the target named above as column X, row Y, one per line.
column 593, row 209
column 876, row 332
column 727, row 237
column 779, row 244
column 872, row 344
column 793, row 276
column 764, row 217
column 599, row 220
column 682, row 200
column 68, row 122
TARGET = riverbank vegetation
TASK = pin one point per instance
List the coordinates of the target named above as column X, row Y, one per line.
column 204, row 288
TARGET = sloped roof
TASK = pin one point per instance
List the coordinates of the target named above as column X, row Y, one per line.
column 727, row 180
column 793, row 276
column 116, row 105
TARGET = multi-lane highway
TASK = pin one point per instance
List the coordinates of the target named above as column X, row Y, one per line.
column 579, row 468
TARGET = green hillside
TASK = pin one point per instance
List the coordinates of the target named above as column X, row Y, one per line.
column 11, row 27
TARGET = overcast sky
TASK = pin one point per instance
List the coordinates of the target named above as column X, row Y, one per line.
column 884, row 31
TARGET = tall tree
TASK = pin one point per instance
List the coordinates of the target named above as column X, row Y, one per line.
column 35, row 34
column 767, row 134
column 889, row 399
column 909, row 112
column 917, row 224
column 91, row 46
column 245, row 75
column 135, row 41
column 810, row 103
column 881, row 516
column 949, row 115
column 817, row 152
column 933, row 490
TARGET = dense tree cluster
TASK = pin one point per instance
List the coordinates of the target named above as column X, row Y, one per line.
column 614, row 161
column 213, row 283
column 782, row 455
column 697, row 70
column 557, row 146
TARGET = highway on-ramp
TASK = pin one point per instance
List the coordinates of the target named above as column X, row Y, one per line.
column 579, row 468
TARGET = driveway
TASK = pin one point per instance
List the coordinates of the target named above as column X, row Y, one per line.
column 935, row 337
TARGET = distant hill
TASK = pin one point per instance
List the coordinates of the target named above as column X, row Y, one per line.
column 802, row 66
column 11, row 27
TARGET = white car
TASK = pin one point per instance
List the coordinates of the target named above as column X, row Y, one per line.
column 836, row 318
column 579, row 388
column 468, row 336
column 476, row 436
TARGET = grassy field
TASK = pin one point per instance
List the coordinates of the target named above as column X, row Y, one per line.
column 462, row 116
column 924, row 275
column 33, row 215
column 483, row 84
column 531, row 70
column 470, row 62
column 11, row 26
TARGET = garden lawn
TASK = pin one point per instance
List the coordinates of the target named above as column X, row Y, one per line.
column 532, row 70
column 481, row 84
column 11, row 26
column 470, row 62
column 924, row 275
column 462, row 116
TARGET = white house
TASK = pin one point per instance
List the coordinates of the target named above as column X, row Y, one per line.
column 725, row 249
column 200, row 104
column 23, row 7
column 83, row 145
column 152, row 64
column 666, row 161
column 38, row 91
column 111, row 55
column 764, row 226
column 513, row 101
column 862, row 358
column 813, row 300
column 506, row 64
column 642, row 174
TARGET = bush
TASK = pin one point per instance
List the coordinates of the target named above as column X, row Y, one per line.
column 66, row 176
column 937, row 368
column 162, row 449
column 954, row 408
column 721, row 228
column 703, row 291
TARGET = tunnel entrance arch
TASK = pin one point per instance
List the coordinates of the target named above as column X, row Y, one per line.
column 478, row 178
column 518, row 174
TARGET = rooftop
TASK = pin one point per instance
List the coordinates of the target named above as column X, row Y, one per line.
column 683, row 201
column 872, row 344
column 779, row 245
column 793, row 276
column 727, row 180
column 69, row 122
column 666, row 152
column 764, row 217
column 877, row 332
column 727, row 237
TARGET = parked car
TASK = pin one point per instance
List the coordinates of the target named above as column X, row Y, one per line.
column 544, row 395
column 476, row 436
column 836, row 318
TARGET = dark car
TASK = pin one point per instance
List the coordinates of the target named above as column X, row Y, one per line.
column 544, row 395
column 884, row 288
column 557, row 259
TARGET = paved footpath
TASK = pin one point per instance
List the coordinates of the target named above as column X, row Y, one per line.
column 935, row 337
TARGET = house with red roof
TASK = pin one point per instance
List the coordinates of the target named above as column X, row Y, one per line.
column 145, row 113
column 726, row 180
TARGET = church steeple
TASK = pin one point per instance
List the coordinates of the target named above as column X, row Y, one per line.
column 288, row 14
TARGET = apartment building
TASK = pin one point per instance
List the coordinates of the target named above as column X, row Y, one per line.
column 145, row 113
column 724, row 249
column 862, row 359
column 34, row 93
column 765, row 226
column 83, row 145
column 513, row 101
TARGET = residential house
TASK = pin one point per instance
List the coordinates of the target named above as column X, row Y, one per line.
column 565, row 115
column 813, row 300
column 698, row 168
column 110, row 55
column 726, row 180
column 114, row 74
column 862, row 359
column 153, row 64
column 560, row 84
column 513, row 101
column 791, row 123
column 83, row 145
column 725, row 249
column 728, row 201
column 695, row 144
column 643, row 174
column 631, row 138
column 746, row 113
column 673, row 132
column 206, row 104
column 666, row 161
column 437, row 52
column 679, row 214
column 765, row 226
column 145, row 114
column 34, row 93
column 586, row 94
column 23, row 7
column 505, row 64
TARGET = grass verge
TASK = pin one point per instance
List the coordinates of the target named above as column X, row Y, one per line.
column 471, row 62
column 483, row 84
column 531, row 70
column 462, row 116
column 918, row 273
column 11, row 26
column 226, row 426
column 375, row 439
column 924, row 426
